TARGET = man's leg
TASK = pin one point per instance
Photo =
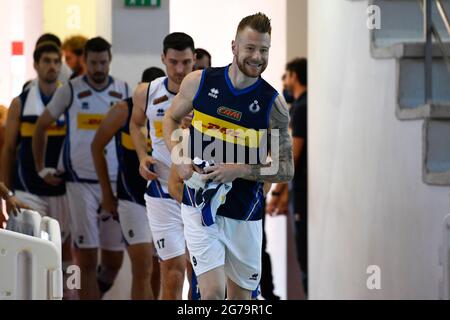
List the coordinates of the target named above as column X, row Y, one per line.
column 87, row 261
column 212, row 284
column 111, row 262
column 167, row 230
column 135, row 228
column 156, row 277
column 235, row 292
column 85, row 235
column 172, row 278
column 267, row 286
column 141, row 265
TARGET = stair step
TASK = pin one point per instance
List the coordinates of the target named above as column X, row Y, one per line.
column 411, row 93
column 407, row 50
column 402, row 22
column 436, row 152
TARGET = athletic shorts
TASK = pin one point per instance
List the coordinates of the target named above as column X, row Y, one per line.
column 234, row 244
column 90, row 227
column 134, row 222
column 56, row 207
column 167, row 227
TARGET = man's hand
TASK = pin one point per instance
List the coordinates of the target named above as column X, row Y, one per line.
column 224, row 173
column 51, row 176
column 144, row 170
column 185, row 168
column 109, row 204
column 13, row 205
column 279, row 203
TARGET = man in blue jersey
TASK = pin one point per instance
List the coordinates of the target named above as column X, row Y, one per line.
column 235, row 111
column 40, row 190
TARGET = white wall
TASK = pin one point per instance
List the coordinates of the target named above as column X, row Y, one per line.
column 368, row 203
column 22, row 23
column 137, row 38
column 297, row 27
column 213, row 23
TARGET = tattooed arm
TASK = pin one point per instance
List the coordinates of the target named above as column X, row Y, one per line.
column 280, row 169
column 281, row 156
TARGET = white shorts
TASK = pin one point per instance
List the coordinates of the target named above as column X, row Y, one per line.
column 167, row 227
column 56, row 207
column 91, row 229
column 231, row 243
column 134, row 223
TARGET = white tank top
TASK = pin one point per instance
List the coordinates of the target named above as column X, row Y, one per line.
column 88, row 108
column 159, row 100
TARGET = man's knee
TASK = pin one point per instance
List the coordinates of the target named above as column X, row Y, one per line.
column 212, row 291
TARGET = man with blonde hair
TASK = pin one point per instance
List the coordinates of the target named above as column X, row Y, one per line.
column 73, row 48
column 226, row 252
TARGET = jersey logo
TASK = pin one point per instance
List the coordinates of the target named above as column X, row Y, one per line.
column 84, row 94
column 254, row 277
column 214, row 93
column 116, row 94
column 230, row 113
column 160, row 113
column 254, row 107
column 160, row 100
column 85, row 106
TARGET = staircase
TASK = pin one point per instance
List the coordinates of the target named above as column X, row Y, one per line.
column 423, row 86
column 401, row 37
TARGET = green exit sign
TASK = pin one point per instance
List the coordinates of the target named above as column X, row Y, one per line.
column 142, row 3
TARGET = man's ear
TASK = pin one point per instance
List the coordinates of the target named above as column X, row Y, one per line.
column 234, row 47
column 163, row 58
column 35, row 66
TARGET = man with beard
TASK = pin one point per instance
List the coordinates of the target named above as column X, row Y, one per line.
column 32, row 187
column 233, row 108
column 129, row 204
column 151, row 102
column 85, row 102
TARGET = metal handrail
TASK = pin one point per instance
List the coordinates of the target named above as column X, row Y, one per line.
column 430, row 30
column 443, row 14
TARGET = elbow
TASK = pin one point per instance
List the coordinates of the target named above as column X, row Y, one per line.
column 95, row 148
column 288, row 173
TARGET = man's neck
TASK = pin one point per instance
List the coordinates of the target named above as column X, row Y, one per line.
column 47, row 89
column 238, row 78
column 80, row 71
column 172, row 86
column 98, row 86
column 299, row 90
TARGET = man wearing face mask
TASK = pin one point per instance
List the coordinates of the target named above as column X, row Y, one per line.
column 296, row 82
column 85, row 101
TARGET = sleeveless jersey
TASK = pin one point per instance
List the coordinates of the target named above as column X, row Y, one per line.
column 130, row 185
column 230, row 126
column 84, row 115
column 159, row 99
column 26, row 178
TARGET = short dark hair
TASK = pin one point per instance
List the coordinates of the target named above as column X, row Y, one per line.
column 45, row 47
column 200, row 53
column 97, row 44
column 258, row 22
column 300, row 67
column 48, row 37
column 178, row 41
column 151, row 74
